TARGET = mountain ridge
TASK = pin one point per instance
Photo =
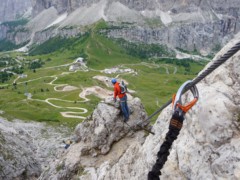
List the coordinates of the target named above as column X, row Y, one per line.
column 189, row 25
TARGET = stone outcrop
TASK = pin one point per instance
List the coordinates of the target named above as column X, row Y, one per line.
column 106, row 148
column 206, row 148
column 107, row 127
column 17, row 158
column 27, row 148
column 102, row 138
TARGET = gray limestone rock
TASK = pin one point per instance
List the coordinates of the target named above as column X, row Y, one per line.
column 207, row 146
column 106, row 125
column 12, row 9
column 102, row 138
column 27, row 148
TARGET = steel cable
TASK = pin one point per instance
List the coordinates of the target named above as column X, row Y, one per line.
column 178, row 117
column 196, row 80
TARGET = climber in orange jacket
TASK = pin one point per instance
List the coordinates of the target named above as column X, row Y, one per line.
column 123, row 99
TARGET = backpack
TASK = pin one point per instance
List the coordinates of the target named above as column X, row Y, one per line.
column 123, row 87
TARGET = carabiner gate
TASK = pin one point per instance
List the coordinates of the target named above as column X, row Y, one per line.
column 177, row 101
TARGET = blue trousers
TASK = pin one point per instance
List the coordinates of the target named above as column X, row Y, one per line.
column 124, row 107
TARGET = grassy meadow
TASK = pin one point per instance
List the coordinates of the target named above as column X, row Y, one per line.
column 156, row 80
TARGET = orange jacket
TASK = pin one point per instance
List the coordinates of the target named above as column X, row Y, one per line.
column 117, row 91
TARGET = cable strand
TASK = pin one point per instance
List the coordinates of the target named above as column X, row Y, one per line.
column 196, row 80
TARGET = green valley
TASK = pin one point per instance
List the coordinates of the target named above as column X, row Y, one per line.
column 40, row 87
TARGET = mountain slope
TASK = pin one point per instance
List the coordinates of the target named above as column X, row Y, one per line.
column 189, row 25
column 207, row 147
column 51, row 68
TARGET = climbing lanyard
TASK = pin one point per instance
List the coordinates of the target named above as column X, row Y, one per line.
column 176, row 122
column 179, row 111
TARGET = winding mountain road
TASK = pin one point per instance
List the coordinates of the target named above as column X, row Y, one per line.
column 78, row 112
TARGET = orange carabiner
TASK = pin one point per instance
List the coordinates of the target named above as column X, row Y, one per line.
column 177, row 102
column 187, row 106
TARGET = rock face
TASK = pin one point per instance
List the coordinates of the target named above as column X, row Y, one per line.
column 103, row 138
column 12, row 9
column 42, row 36
column 207, row 146
column 106, row 148
column 61, row 5
column 201, row 37
column 17, row 155
column 107, row 126
column 208, row 143
column 27, row 148
column 190, row 25
column 199, row 25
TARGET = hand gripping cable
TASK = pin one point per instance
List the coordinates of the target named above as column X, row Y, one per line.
column 175, row 126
